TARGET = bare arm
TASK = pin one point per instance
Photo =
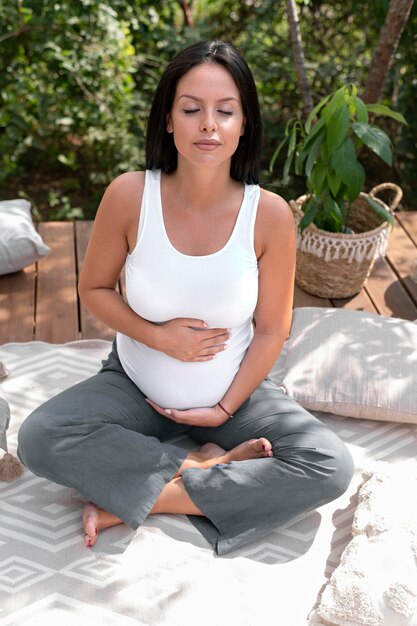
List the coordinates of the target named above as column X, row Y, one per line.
column 113, row 237
column 275, row 301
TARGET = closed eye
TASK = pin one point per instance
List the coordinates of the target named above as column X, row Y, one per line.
column 191, row 110
column 226, row 112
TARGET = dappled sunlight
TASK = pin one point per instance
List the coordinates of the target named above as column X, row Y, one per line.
column 340, row 357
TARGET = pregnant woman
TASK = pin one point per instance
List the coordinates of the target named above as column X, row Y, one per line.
column 209, row 261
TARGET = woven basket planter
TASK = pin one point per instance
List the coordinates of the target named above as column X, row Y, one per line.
column 336, row 265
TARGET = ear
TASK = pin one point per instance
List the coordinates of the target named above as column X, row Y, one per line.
column 169, row 126
column 242, row 130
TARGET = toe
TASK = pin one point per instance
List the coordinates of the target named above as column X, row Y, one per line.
column 266, row 445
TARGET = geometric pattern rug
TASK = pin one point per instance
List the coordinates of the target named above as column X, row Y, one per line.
column 165, row 573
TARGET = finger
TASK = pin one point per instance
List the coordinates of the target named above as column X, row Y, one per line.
column 211, row 351
column 155, row 406
column 193, row 323
column 215, row 338
column 213, row 345
column 216, row 332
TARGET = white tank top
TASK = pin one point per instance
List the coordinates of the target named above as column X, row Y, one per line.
column 163, row 283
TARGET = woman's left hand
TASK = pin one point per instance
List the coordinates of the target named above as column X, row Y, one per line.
column 207, row 416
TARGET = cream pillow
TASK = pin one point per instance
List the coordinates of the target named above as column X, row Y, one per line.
column 376, row 580
column 20, row 244
column 351, row 363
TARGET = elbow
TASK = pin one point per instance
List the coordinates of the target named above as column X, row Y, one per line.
column 82, row 290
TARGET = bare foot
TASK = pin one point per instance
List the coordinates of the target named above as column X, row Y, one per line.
column 95, row 519
column 90, row 524
column 251, row 449
column 211, row 454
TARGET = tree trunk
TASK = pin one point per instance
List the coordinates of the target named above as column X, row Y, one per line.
column 390, row 35
column 188, row 18
column 297, row 47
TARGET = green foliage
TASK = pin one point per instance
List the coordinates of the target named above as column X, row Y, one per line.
column 325, row 149
column 78, row 77
column 65, row 96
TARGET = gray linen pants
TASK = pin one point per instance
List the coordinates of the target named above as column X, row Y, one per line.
column 102, row 439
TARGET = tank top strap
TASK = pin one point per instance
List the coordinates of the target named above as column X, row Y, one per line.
column 150, row 208
column 245, row 224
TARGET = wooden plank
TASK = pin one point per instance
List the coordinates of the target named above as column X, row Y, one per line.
column 408, row 220
column 91, row 327
column 17, row 305
column 402, row 254
column 56, row 302
column 388, row 294
column 302, row 299
column 360, row 302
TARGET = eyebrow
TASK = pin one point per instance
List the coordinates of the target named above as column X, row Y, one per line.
column 187, row 95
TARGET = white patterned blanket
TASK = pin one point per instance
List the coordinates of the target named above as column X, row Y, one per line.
column 164, row 574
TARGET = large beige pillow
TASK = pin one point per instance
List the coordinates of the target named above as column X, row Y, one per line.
column 351, row 363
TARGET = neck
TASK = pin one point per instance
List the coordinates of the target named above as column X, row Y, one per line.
column 201, row 187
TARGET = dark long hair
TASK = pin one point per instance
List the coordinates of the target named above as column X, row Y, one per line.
column 161, row 152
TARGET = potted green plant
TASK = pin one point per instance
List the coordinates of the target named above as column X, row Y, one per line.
column 340, row 229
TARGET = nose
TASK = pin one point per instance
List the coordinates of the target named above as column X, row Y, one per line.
column 208, row 123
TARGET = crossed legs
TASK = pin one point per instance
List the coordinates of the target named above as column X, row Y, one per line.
column 174, row 497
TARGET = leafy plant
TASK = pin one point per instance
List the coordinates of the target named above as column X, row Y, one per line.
column 325, row 149
column 61, row 208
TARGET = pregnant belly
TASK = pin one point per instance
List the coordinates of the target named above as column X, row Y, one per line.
column 177, row 385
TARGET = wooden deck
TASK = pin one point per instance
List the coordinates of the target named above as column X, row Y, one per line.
column 40, row 303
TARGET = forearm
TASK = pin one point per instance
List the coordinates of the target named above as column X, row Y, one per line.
column 109, row 307
column 256, row 365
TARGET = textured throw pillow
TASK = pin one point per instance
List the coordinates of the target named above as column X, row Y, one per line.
column 376, row 581
column 351, row 363
column 20, row 244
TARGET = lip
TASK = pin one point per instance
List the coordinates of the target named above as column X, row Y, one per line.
column 207, row 144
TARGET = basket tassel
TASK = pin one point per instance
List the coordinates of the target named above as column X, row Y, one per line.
column 10, row 468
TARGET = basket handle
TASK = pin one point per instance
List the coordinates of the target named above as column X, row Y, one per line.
column 398, row 193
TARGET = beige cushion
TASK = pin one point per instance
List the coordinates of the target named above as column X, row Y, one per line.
column 20, row 244
column 376, row 581
column 351, row 363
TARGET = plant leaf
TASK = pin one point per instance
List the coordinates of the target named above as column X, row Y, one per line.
column 334, row 181
column 299, row 160
column 290, row 155
column 317, row 177
column 361, row 110
column 312, row 154
column 380, row 210
column 276, row 153
column 347, row 167
column 337, row 100
column 310, row 211
column 375, row 139
column 334, row 214
column 337, row 127
column 314, row 112
column 381, row 109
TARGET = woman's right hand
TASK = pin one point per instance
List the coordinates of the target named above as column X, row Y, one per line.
column 188, row 339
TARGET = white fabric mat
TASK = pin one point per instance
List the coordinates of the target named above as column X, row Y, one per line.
column 165, row 573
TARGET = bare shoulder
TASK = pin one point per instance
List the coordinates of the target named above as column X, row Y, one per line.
column 120, row 206
column 126, row 189
column 273, row 209
column 274, row 220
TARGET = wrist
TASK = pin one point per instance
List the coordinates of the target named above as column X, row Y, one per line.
column 153, row 336
column 224, row 410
